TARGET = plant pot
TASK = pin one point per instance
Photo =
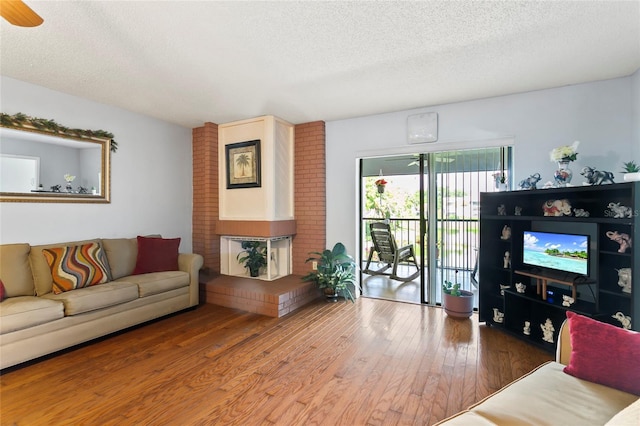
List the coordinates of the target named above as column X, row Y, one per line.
column 254, row 272
column 331, row 294
column 458, row 306
column 631, row 177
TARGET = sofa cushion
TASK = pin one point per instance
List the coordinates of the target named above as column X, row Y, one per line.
column 156, row 255
column 75, row 267
column 3, row 292
column 628, row 416
column 122, row 254
column 15, row 270
column 603, row 353
column 17, row 313
column 96, row 297
column 158, row 282
column 42, row 277
column 547, row 396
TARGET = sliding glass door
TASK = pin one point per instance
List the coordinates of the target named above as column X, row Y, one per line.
column 431, row 202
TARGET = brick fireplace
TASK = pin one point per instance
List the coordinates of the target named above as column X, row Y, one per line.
column 309, row 203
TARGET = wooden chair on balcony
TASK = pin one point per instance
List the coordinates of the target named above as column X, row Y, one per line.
column 384, row 244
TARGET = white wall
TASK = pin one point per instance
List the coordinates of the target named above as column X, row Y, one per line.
column 635, row 116
column 151, row 174
column 598, row 114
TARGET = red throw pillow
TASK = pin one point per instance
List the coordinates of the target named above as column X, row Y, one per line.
column 3, row 292
column 603, row 353
column 156, row 255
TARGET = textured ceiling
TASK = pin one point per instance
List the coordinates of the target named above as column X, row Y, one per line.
column 188, row 62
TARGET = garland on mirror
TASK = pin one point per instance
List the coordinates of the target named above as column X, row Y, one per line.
column 22, row 120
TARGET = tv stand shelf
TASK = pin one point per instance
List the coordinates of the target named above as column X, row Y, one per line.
column 609, row 293
column 542, row 279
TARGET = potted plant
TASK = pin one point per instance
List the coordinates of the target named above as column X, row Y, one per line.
column 254, row 256
column 335, row 272
column 631, row 171
column 457, row 303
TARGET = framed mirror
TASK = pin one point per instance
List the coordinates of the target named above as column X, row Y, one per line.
column 38, row 166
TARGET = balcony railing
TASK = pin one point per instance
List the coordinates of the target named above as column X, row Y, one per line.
column 456, row 247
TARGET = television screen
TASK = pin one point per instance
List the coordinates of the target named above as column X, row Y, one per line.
column 562, row 252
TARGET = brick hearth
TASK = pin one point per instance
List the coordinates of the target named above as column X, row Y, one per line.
column 272, row 298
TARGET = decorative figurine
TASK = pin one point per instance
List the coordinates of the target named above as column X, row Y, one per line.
column 618, row 211
column 530, row 183
column 498, row 316
column 624, row 279
column 83, row 190
column 580, row 213
column 567, row 300
column 557, row 208
column 503, row 288
column 625, row 320
column 56, row 188
column 596, row 177
column 527, row 328
column 507, row 260
column 547, row 331
column 518, row 211
column 506, row 233
column 502, row 210
column 521, row 288
column 623, row 239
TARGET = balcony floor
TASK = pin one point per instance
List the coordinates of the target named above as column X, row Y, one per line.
column 383, row 287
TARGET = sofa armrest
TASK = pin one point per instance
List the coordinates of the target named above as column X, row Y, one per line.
column 563, row 351
column 191, row 263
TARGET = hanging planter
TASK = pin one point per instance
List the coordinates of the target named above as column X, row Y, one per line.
column 381, row 184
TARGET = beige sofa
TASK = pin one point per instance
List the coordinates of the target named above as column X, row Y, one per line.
column 548, row 396
column 34, row 321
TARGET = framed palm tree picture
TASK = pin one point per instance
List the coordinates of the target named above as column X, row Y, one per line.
column 243, row 164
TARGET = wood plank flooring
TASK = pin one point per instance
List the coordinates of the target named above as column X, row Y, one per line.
column 374, row 362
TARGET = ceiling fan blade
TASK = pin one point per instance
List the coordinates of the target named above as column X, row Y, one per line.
column 18, row 13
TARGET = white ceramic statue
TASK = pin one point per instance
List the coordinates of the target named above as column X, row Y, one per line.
column 527, row 328
column 547, row 331
column 502, row 210
column 502, row 289
column 624, row 279
column 625, row 320
column 507, row 260
column 497, row 315
column 506, row 233
column 521, row 288
column 567, row 300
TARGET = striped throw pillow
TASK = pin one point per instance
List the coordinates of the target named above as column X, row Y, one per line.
column 76, row 266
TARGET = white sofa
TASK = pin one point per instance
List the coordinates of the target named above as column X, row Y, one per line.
column 35, row 322
column 549, row 396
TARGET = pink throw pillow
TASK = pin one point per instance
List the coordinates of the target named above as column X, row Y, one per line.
column 603, row 353
column 156, row 255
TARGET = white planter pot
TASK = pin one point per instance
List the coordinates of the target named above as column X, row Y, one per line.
column 632, row 177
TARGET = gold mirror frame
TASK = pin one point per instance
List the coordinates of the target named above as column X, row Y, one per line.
column 64, row 197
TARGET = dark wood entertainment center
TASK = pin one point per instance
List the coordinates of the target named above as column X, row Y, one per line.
column 604, row 212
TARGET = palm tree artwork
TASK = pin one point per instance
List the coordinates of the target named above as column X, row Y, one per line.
column 243, row 161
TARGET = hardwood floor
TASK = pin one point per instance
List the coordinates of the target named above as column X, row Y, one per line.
column 373, row 362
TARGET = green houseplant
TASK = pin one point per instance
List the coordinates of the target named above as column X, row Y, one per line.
column 335, row 272
column 457, row 303
column 254, row 256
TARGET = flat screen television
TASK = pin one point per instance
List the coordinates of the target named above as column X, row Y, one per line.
column 556, row 251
